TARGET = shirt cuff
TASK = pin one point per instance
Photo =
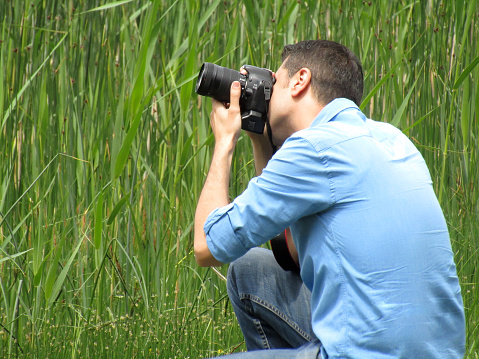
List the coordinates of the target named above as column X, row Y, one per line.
column 220, row 236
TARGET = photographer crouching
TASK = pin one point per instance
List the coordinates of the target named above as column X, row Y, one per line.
column 363, row 267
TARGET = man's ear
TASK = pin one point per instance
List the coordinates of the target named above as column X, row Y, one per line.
column 300, row 82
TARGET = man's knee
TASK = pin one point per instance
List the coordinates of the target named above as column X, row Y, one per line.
column 248, row 272
column 247, row 264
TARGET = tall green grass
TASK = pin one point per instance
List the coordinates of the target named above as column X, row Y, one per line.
column 104, row 147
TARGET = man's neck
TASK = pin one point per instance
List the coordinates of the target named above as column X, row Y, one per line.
column 305, row 113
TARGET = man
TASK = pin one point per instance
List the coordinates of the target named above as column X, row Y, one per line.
column 372, row 243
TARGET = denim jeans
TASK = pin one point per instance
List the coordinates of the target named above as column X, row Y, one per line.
column 272, row 307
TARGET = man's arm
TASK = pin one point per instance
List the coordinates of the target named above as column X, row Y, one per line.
column 226, row 125
column 213, row 195
column 262, row 150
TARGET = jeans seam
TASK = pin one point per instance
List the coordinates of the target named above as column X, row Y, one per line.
column 260, row 330
column 276, row 311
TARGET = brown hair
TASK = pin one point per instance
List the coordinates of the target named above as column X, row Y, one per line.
column 335, row 70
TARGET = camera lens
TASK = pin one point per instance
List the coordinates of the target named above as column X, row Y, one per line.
column 215, row 81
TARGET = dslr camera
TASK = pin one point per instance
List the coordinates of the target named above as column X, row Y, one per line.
column 256, row 88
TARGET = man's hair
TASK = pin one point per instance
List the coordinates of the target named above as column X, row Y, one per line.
column 335, row 70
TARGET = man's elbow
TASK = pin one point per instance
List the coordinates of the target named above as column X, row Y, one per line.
column 200, row 257
column 204, row 258
column 201, row 260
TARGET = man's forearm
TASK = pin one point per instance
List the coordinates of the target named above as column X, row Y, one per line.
column 262, row 152
column 226, row 125
column 214, row 195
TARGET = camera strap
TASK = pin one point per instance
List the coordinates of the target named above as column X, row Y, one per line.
column 270, row 136
column 279, row 246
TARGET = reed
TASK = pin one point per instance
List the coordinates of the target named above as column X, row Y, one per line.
column 104, row 148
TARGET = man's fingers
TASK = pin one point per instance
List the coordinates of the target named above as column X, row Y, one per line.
column 215, row 104
column 235, row 95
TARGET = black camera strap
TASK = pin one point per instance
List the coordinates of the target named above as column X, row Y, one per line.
column 281, row 253
column 270, row 136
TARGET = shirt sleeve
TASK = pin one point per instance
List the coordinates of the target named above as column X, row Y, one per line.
column 295, row 183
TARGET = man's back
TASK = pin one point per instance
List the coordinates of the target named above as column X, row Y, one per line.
column 376, row 251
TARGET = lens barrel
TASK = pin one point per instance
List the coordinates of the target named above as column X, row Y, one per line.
column 215, row 81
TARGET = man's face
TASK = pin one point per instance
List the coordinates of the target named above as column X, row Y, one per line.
column 278, row 113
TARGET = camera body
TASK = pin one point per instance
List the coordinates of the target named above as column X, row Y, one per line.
column 256, row 88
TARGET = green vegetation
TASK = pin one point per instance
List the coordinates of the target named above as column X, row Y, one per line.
column 104, row 147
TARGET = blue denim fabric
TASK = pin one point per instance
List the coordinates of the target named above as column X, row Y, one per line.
column 272, row 307
column 307, row 351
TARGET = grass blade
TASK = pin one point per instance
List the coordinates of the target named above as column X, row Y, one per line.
column 11, row 256
column 400, row 112
column 108, row 6
column 13, row 104
column 61, row 278
column 117, row 209
column 98, row 221
column 465, row 73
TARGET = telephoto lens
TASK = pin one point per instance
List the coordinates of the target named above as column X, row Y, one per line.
column 215, row 81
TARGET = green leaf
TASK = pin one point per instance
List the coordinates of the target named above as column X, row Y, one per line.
column 9, row 257
column 13, row 104
column 418, row 122
column 465, row 73
column 117, row 209
column 379, row 85
column 405, row 102
column 125, row 147
column 190, row 69
column 52, row 271
column 98, row 221
column 206, row 15
column 287, row 15
column 108, row 6
column 61, row 278
column 387, row 76
column 38, row 276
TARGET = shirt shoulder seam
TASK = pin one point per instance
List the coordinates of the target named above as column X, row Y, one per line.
column 324, row 160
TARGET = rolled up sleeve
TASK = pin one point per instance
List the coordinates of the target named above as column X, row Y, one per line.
column 294, row 184
column 220, row 236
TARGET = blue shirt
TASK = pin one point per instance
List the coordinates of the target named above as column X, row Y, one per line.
column 372, row 241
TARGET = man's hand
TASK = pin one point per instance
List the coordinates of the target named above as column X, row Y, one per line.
column 226, row 124
column 225, row 120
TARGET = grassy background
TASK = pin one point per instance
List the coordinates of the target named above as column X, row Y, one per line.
column 104, row 147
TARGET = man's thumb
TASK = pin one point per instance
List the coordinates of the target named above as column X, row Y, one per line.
column 235, row 94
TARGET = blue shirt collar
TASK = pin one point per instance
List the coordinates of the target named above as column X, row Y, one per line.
column 332, row 109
